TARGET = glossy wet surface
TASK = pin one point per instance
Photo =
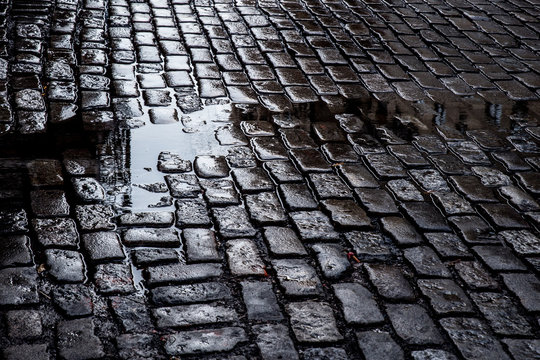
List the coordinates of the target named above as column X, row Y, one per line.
column 266, row 180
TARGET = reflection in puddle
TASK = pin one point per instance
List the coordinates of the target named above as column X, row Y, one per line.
column 204, row 131
column 194, row 135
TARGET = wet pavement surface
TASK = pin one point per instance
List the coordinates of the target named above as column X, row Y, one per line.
column 269, row 180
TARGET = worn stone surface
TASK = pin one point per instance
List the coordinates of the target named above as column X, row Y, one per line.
column 261, row 303
column 378, row 345
column 77, row 339
column 359, row 306
column 244, row 258
column 204, row 341
column 191, row 293
column 413, row 324
column 313, row 180
column 472, row 338
column 313, row 322
column 196, row 314
column 297, row 277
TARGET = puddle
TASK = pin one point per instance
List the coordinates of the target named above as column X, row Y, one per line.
column 193, row 135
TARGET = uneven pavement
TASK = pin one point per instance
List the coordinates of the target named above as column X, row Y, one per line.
column 269, row 179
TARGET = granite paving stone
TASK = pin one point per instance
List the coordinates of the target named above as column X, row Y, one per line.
column 283, row 241
column 77, row 337
column 243, row 258
column 313, row 322
column 477, row 343
column 332, row 260
column 525, row 287
column 445, row 296
column 413, row 324
column 194, row 314
column 376, row 344
column 501, row 314
column 313, row 226
column 261, row 303
column 204, row 341
column 297, row 277
column 359, row 306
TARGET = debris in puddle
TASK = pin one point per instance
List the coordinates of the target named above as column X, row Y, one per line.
column 154, row 187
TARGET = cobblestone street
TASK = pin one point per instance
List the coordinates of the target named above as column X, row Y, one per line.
column 272, row 179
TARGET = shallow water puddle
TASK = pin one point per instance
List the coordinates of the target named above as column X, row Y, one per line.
column 193, row 135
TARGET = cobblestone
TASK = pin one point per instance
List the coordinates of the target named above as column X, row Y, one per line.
column 264, row 180
column 313, row 322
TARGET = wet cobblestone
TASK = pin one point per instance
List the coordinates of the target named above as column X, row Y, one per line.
column 273, row 179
